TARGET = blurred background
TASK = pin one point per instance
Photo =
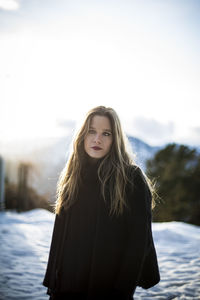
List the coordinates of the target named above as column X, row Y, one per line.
column 58, row 59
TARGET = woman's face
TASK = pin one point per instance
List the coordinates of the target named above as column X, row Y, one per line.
column 98, row 140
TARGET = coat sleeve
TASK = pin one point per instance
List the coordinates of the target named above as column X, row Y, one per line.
column 52, row 252
column 50, row 275
column 139, row 262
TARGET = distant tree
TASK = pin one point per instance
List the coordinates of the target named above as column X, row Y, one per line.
column 176, row 170
column 23, row 190
column 21, row 196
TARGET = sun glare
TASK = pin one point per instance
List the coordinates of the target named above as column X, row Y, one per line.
column 55, row 72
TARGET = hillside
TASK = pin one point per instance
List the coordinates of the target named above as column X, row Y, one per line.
column 48, row 157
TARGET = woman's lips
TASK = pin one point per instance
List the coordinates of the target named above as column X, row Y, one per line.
column 96, row 148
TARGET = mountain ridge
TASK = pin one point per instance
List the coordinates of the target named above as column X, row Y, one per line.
column 48, row 157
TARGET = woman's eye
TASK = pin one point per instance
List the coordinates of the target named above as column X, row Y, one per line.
column 107, row 133
column 91, row 131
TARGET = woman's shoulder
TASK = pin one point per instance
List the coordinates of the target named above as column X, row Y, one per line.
column 137, row 178
column 138, row 186
column 134, row 172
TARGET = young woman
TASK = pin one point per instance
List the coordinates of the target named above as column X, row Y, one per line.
column 102, row 245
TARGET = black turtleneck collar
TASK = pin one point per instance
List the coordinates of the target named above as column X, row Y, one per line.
column 89, row 171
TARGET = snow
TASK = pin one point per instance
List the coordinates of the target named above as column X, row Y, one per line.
column 24, row 247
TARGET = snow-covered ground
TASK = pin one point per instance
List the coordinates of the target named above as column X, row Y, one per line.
column 24, row 246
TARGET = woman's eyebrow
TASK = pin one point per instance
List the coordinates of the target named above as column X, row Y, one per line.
column 91, row 127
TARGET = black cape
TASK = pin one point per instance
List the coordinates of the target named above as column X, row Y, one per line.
column 95, row 254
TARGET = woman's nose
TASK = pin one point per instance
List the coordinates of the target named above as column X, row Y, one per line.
column 97, row 138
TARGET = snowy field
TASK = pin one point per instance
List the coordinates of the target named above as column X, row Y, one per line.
column 24, row 246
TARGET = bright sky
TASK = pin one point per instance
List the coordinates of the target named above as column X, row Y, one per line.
column 60, row 58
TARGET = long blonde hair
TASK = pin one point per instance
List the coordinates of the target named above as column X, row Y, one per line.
column 112, row 167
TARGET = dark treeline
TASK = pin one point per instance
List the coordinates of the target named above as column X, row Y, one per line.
column 176, row 171
column 20, row 196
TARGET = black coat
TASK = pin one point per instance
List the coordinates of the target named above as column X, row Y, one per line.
column 97, row 254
